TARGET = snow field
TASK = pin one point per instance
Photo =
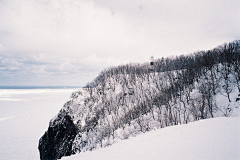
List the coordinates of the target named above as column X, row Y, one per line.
column 211, row 139
column 24, row 117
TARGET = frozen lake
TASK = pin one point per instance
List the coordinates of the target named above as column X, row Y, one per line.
column 24, row 117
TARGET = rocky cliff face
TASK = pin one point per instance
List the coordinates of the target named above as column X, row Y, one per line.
column 58, row 139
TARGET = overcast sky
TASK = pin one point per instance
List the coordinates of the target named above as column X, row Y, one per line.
column 68, row 42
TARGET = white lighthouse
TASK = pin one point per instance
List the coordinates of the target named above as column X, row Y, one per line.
column 152, row 68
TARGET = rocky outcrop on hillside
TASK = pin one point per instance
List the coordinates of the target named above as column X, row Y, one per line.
column 127, row 100
column 58, row 139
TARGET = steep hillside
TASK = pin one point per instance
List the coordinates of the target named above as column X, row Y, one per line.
column 211, row 139
column 127, row 100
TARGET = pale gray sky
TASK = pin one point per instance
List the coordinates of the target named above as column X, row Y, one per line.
column 68, row 42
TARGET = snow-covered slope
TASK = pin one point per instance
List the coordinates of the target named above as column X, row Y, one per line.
column 211, row 139
column 128, row 100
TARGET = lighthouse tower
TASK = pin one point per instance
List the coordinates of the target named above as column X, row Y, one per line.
column 152, row 68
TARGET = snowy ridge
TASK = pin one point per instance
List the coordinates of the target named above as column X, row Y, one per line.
column 133, row 110
column 128, row 100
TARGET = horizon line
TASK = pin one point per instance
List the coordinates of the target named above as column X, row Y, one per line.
column 36, row 87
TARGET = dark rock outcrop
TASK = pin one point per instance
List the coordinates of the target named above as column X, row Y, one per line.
column 58, row 139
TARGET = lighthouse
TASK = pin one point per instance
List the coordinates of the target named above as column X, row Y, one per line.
column 152, row 68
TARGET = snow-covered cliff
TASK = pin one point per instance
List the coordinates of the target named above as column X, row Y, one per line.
column 127, row 100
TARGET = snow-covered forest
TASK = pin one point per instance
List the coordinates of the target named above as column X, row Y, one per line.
column 127, row 100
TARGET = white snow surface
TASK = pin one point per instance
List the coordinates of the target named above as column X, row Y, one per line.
column 210, row 139
column 24, row 117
